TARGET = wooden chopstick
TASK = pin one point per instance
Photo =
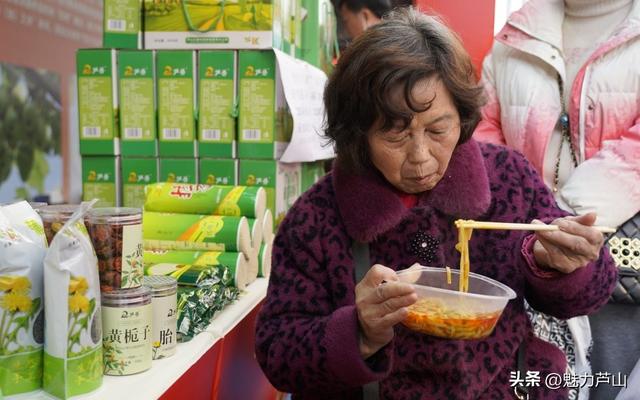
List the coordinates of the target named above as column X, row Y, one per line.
column 520, row 227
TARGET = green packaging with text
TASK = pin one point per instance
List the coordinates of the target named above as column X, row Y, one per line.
column 265, row 124
column 97, row 102
column 208, row 24
column 178, row 170
column 176, row 103
column 122, row 20
column 217, row 103
column 282, row 182
column 137, row 103
column 219, row 171
column 136, row 174
column 318, row 40
column 101, row 180
column 310, row 173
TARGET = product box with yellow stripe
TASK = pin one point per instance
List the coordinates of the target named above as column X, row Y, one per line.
column 291, row 26
column 282, row 182
column 217, row 103
column 198, row 24
column 171, row 231
column 178, row 170
column 176, row 85
column 136, row 174
column 233, row 201
column 101, row 180
column 137, row 103
column 97, row 101
column 218, row 171
column 265, row 124
column 122, row 24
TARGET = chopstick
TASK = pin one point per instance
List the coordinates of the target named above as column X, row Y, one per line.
column 520, row 227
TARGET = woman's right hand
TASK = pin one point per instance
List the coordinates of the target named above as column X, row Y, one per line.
column 381, row 302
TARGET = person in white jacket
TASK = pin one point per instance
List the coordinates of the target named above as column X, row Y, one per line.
column 563, row 87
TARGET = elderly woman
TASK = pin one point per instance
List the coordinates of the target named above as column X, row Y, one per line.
column 401, row 107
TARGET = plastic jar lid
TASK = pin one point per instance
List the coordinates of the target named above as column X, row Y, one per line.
column 161, row 285
column 115, row 215
column 127, row 297
column 59, row 212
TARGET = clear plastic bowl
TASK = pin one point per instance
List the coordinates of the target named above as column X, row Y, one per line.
column 443, row 311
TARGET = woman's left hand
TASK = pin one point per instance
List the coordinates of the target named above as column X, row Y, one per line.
column 575, row 245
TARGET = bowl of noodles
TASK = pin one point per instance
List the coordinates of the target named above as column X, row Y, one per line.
column 444, row 311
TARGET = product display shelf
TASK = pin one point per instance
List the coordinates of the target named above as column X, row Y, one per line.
column 231, row 316
column 152, row 383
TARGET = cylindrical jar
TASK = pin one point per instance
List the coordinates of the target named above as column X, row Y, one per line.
column 54, row 217
column 165, row 312
column 116, row 234
column 126, row 331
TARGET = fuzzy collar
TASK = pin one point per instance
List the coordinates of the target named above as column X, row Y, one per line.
column 369, row 205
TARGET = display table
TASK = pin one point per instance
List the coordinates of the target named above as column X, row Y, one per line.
column 201, row 357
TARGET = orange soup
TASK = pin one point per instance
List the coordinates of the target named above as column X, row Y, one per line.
column 432, row 317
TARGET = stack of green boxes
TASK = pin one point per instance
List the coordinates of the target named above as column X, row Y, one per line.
column 204, row 102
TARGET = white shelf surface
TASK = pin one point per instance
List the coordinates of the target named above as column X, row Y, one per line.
column 152, row 383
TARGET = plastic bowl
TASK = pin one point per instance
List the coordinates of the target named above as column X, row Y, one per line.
column 443, row 311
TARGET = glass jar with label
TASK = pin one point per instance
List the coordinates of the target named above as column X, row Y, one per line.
column 54, row 217
column 165, row 313
column 116, row 234
column 127, row 331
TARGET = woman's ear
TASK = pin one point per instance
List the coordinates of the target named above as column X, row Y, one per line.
column 368, row 18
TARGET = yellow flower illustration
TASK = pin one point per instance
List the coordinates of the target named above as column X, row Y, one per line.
column 78, row 286
column 156, row 344
column 13, row 302
column 78, row 303
column 16, row 284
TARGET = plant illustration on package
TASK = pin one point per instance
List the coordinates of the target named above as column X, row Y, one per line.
column 73, row 345
column 133, row 273
column 114, row 364
column 80, row 311
column 22, row 249
column 207, row 15
column 19, row 310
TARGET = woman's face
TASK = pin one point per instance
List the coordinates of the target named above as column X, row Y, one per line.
column 414, row 160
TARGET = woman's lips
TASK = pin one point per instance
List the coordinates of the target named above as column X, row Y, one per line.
column 421, row 180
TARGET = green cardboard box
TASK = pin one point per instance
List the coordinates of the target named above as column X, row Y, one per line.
column 136, row 174
column 175, row 76
column 318, row 40
column 220, row 171
column 212, row 24
column 122, row 24
column 282, row 182
column 178, row 170
column 265, row 124
column 217, row 103
column 310, row 173
column 137, row 103
column 97, row 101
column 101, row 180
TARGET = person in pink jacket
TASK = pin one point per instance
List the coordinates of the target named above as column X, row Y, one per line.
column 563, row 88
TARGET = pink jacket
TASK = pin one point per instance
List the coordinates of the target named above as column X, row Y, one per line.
column 524, row 105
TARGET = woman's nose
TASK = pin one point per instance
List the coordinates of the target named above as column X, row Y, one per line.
column 419, row 149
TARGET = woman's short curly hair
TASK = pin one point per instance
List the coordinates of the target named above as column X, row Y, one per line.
column 404, row 48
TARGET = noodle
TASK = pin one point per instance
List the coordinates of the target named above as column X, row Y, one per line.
column 464, row 234
column 448, row 275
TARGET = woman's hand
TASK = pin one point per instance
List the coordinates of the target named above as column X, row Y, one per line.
column 381, row 302
column 574, row 246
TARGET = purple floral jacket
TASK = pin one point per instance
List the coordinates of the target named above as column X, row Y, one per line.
column 307, row 331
